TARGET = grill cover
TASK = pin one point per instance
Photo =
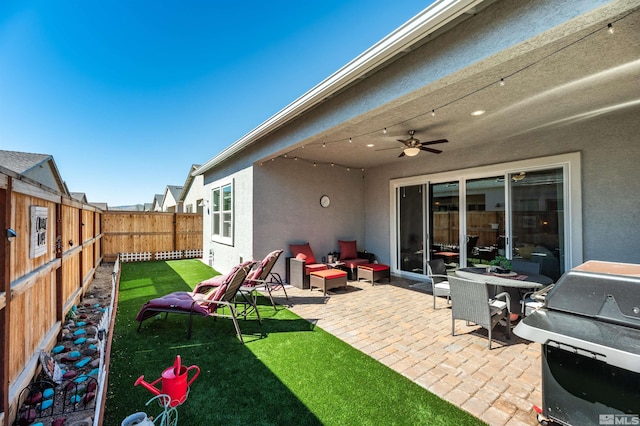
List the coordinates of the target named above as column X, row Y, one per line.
column 593, row 310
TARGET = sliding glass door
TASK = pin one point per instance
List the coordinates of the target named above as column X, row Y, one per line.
column 412, row 233
column 444, row 214
column 470, row 217
column 537, row 219
column 485, row 219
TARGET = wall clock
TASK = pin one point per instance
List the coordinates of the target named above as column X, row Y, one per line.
column 325, row 201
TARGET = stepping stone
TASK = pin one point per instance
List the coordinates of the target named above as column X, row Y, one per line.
column 46, row 404
column 33, row 399
column 83, row 362
column 57, row 349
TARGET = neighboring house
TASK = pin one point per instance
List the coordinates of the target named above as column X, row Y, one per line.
column 539, row 102
column 171, row 199
column 80, row 196
column 39, row 168
column 192, row 192
column 101, row 206
column 148, row 207
column 156, row 206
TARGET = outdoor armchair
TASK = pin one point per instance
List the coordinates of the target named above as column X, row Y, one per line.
column 301, row 264
column 470, row 301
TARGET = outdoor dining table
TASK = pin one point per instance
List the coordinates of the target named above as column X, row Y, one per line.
column 513, row 283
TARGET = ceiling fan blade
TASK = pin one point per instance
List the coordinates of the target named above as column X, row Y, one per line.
column 404, row 142
column 386, row 149
column 435, row 142
column 435, row 151
column 401, row 154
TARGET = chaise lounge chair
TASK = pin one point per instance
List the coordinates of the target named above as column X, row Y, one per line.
column 211, row 304
column 260, row 278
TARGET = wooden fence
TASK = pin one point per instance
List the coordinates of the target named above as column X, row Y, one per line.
column 158, row 235
column 51, row 261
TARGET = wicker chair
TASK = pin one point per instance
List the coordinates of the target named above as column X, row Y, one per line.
column 470, row 301
column 437, row 271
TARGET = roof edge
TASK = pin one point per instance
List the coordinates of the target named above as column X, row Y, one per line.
column 429, row 20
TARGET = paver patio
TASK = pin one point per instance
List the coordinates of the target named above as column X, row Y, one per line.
column 397, row 325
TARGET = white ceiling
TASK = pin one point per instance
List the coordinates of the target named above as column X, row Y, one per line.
column 582, row 75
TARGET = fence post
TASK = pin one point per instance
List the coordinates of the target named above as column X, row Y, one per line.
column 5, row 286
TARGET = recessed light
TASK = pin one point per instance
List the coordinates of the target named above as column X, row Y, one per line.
column 370, row 145
column 478, row 112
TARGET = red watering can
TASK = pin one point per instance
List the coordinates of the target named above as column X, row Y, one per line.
column 174, row 382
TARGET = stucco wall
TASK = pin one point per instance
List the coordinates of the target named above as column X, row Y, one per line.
column 195, row 194
column 226, row 256
column 287, row 207
column 610, row 150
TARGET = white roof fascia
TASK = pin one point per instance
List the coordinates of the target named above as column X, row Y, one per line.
column 426, row 22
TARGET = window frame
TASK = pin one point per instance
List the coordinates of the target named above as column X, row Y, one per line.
column 220, row 213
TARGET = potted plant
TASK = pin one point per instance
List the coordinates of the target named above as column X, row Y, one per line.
column 502, row 264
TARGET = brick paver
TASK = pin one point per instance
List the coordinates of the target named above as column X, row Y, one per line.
column 398, row 326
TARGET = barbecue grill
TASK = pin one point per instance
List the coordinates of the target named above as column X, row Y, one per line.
column 589, row 328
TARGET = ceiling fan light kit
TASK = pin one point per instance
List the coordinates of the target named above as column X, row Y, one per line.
column 411, row 152
column 413, row 146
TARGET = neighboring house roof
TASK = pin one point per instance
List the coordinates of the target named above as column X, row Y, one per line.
column 80, row 196
column 175, row 191
column 187, row 184
column 101, row 206
column 40, row 168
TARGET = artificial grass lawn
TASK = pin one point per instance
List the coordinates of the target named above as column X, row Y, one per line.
column 287, row 372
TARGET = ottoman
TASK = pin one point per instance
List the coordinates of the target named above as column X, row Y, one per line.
column 373, row 272
column 327, row 279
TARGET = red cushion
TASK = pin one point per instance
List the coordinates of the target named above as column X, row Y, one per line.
column 348, row 249
column 314, row 267
column 376, row 267
column 329, row 274
column 304, row 249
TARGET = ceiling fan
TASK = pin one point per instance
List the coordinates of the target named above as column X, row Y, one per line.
column 413, row 146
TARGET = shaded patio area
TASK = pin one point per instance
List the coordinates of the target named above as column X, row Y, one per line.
column 396, row 324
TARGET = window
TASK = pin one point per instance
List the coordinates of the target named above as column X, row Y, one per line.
column 222, row 214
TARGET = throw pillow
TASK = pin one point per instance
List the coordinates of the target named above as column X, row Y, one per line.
column 348, row 249
column 304, row 249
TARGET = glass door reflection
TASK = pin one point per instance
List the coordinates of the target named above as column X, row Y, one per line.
column 411, row 226
column 444, row 203
column 485, row 219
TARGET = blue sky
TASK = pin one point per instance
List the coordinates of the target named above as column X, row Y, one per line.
column 128, row 94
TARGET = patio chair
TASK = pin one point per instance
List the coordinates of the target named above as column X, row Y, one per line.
column 260, row 278
column 470, row 301
column 437, row 271
column 301, row 265
column 211, row 304
column 525, row 267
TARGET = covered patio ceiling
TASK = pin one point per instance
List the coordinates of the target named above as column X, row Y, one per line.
column 580, row 75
